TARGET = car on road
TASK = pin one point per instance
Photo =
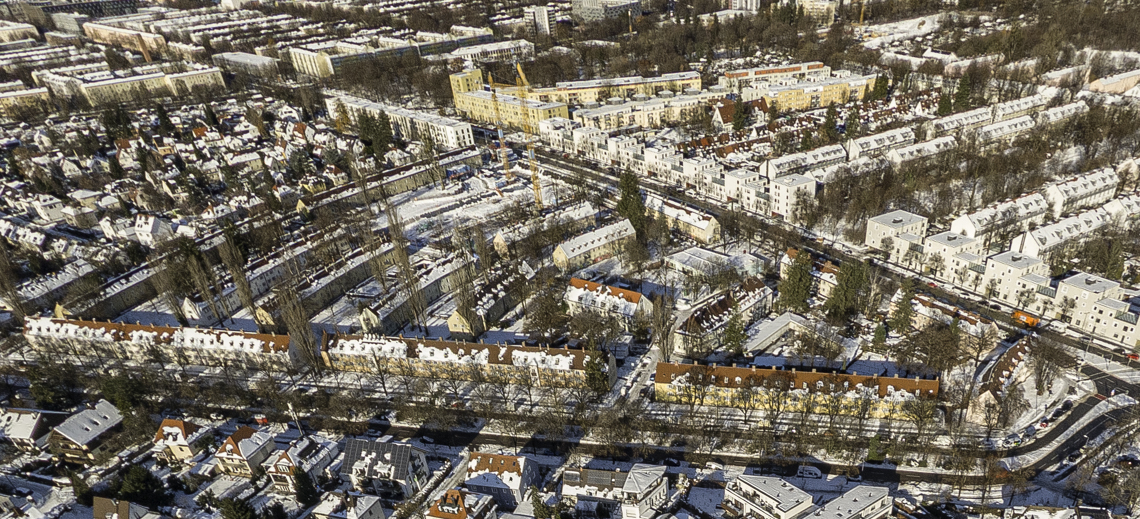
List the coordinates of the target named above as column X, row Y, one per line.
column 1074, row 456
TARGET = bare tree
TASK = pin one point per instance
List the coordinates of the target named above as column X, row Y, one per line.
column 1047, row 358
column 296, row 318
column 231, row 257
column 9, row 285
column 662, row 319
column 409, row 278
column 776, row 398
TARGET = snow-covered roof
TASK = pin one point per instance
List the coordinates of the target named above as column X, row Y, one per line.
column 88, row 424
column 561, row 359
column 496, row 470
column 604, row 298
column 677, row 211
column 922, row 150
column 1006, row 128
column 857, row 502
column 582, row 244
column 43, row 328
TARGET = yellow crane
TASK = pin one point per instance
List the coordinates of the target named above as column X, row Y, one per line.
column 499, row 127
column 528, row 127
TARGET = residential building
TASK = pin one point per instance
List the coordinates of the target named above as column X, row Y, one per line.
column 107, row 508
column 593, row 246
column 152, row 230
column 960, row 123
column 1028, row 105
column 785, row 191
column 245, row 63
column 596, row 10
column 572, row 218
column 15, row 31
column 445, row 132
column 751, row 299
column 765, row 497
column 309, row 454
column 948, row 256
column 577, row 93
column 863, row 501
column 1116, row 84
column 1006, row 131
column 494, row 298
column 637, row 494
column 149, row 44
column 539, row 19
column 1097, row 306
column 1007, row 217
column 1042, row 241
column 928, row 310
column 480, row 105
column 82, row 438
column 1011, row 272
column 243, row 450
column 802, row 162
column 697, row 224
column 510, row 51
column 747, row 77
column 177, row 441
column 841, row 88
column 17, row 104
column 29, row 429
column 1090, row 189
column 544, row 366
column 389, row 470
column 622, row 304
column 879, row 144
column 457, row 504
column 1060, row 114
column 722, row 385
column 505, row 478
column 922, row 150
column 349, row 505
column 192, row 346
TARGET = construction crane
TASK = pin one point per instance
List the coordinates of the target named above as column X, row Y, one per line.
column 499, row 127
column 528, row 127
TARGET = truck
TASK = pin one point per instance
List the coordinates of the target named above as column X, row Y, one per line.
column 1025, row 319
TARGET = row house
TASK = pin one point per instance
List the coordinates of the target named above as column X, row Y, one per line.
column 619, row 303
column 1009, row 216
column 1006, row 131
column 555, row 366
column 593, row 246
column 693, row 222
column 142, row 343
column 922, row 150
column 928, row 310
column 804, row 161
column 493, row 299
column 1028, row 105
column 879, row 144
column 1042, row 241
column 1087, row 190
column 573, row 218
column 752, row 299
column 1060, row 114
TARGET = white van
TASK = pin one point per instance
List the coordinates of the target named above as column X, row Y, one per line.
column 808, row 472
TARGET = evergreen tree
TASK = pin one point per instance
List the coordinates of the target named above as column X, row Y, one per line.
column 806, row 142
column 739, row 115
column 116, row 122
column 80, row 488
column 140, row 486
column 904, row 312
column 845, row 297
column 830, row 131
column 945, row 105
column 631, row 205
column 963, row 95
column 882, row 87
column 307, row 493
column 596, row 377
column 114, row 168
column 734, row 333
column 773, row 112
column 165, row 125
column 880, row 339
column 795, row 288
column 236, row 509
column 342, row 120
column 382, row 140
column 211, row 117
column 852, row 127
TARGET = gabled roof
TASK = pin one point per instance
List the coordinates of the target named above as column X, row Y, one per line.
column 88, row 424
column 244, row 442
column 170, row 430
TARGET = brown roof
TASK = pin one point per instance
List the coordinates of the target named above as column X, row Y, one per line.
column 452, row 497
column 718, row 307
column 628, row 295
column 243, row 432
column 497, row 463
column 498, row 354
column 732, row 377
column 187, row 428
column 165, row 334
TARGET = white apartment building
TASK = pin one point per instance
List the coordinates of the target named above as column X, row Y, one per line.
column 1098, row 307
column 510, row 50
column 765, row 497
column 1016, row 214
column 1011, row 272
column 880, row 143
column 636, row 494
column 958, row 255
column 922, row 150
column 539, row 19
column 1005, row 131
column 804, row 161
column 1092, row 188
column 1041, row 241
column 746, row 77
column 447, row 133
column 1019, row 107
column 893, row 225
column 785, row 191
column 862, row 502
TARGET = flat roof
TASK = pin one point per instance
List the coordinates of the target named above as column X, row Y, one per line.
column 898, row 219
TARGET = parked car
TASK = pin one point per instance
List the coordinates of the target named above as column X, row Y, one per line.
column 1066, row 405
column 1030, row 432
column 808, row 472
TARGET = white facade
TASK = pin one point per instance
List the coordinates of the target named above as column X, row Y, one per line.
column 784, row 192
column 892, row 225
column 1019, row 214
column 1092, row 188
column 410, row 124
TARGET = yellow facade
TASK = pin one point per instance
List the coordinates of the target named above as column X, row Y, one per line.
column 17, row 104
column 478, row 105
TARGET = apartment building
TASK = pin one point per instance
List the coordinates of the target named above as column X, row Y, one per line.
column 573, row 218
column 1087, row 190
column 879, row 144
column 697, row 224
column 19, row 104
column 785, row 191
column 83, row 436
column 724, row 384
column 480, row 105
column 510, row 50
column 863, row 501
column 504, row 478
column 747, row 77
column 1099, row 307
column 1028, row 105
column 29, row 429
column 645, row 111
column 391, row 470
column 948, row 256
column 597, row 10
column 457, row 504
column 245, row 63
column 593, row 246
column 765, row 497
column 1060, row 114
column 922, row 150
column 1010, row 273
column 1042, row 241
column 751, row 300
column 804, row 161
column 599, row 90
column 15, row 31
column 637, row 494
column 1005, row 132
column 1007, row 216
column 622, row 304
column 539, row 19
column 408, row 124
column 149, row 44
column 139, row 342
column 244, row 450
column 309, row 454
column 375, row 353
column 961, row 123
column 841, row 88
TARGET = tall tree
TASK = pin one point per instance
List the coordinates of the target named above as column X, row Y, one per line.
column 904, row 312
column 830, row 131
column 963, row 95
column 795, row 288
column 307, row 493
column 852, row 127
column 234, row 261
column 734, row 334
column 165, row 125
column 849, row 285
column 10, row 284
column 882, row 87
column 631, row 205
